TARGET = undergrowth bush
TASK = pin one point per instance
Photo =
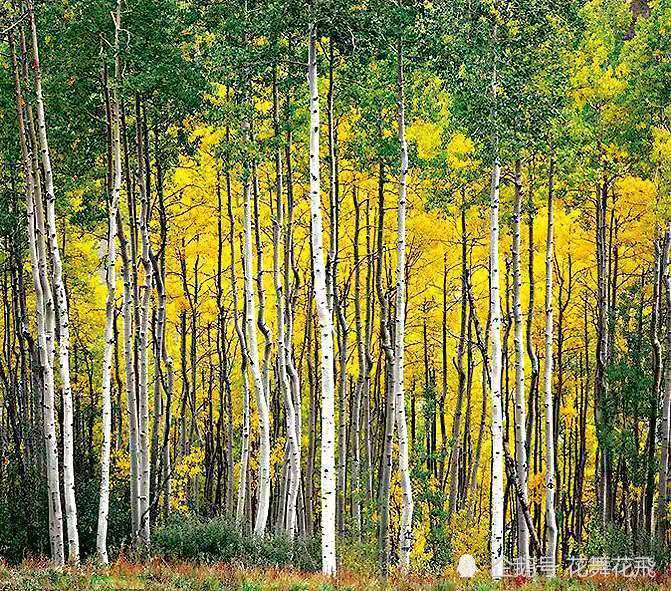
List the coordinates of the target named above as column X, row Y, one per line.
column 219, row 540
column 614, row 541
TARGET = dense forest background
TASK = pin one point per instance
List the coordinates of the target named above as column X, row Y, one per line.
column 389, row 279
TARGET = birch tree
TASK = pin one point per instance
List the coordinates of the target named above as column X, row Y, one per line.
column 521, row 462
column 240, row 331
column 661, row 517
column 496, row 502
column 60, row 299
column 110, row 280
column 144, row 460
column 328, row 494
column 254, row 363
column 284, row 353
column 43, row 310
column 127, row 307
column 405, row 531
column 550, row 515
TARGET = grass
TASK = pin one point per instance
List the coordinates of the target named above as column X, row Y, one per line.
column 158, row 575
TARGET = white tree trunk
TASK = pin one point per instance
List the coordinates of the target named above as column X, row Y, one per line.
column 45, row 322
column 495, row 381
column 661, row 513
column 244, row 453
column 283, row 350
column 110, row 278
column 550, row 516
column 144, row 460
column 405, row 530
column 254, row 365
column 61, row 302
column 521, row 462
column 129, row 367
column 328, row 496
column 41, row 310
column 240, row 331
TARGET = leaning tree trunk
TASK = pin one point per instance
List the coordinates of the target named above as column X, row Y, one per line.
column 289, row 305
column 497, row 493
column 405, row 531
column 521, row 462
column 550, row 515
column 254, row 364
column 283, row 351
column 61, row 303
column 386, row 447
column 325, row 325
column 110, row 278
column 43, row 307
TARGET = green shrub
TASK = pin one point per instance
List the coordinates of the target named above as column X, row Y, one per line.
column 218, row 540
column 609, row 540
column 614, row 541
column 358, row 556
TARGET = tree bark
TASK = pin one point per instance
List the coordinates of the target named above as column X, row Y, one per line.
column 521, row 462
column 405, row 531
column 43, row 308
column 110, row 279
column 61, row 303
column 144, row 467
column 325, row 325
column 495, row 382
column 661, row 520
column 263, row 506
column 283, row 350
column 550, row 515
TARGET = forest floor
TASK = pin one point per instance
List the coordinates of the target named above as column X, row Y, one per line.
column 155, row 576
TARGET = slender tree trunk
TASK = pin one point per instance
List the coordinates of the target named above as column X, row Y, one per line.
column 362, row 372
column 61, row 302
column 131, row 399
column 127, row 251
column 495, row 382
column 455, row 456
column 254, row 364
column 110, row 278
column 43, row 308
column 657, row 383
column 550, row 515
column 144, row 460
column 521, row 463
column 283, row 350
column 165, row 382
column 405, row 532
column 601, row 379
column 531, row 351
column 312, row 362
column 325, row 325
column 289, row 305
column 386, row 452
column 661, row 517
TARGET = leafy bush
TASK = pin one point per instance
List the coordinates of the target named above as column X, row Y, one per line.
column 218, row 540
column 610, row 540
column 358, row 556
